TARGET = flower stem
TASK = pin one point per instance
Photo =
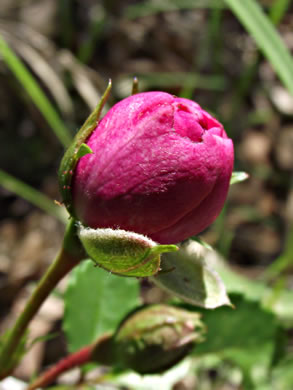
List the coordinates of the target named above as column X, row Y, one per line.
column 76, row 359
column 69, row 256
column 101, row 351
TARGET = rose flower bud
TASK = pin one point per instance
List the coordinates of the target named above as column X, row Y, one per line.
column 160, row 166
column 152, row 339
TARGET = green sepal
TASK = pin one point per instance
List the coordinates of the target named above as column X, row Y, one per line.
column 238, row 177
column 123, row 253
column 78, row 149
column 83, row 150
column 186, row 275
column 134, row 86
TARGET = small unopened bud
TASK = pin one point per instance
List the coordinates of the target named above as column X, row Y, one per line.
column 156, row 337
column 121, row 252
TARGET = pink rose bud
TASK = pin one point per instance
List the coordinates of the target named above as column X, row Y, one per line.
column 160, row 166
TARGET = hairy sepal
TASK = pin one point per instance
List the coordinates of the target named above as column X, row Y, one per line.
column 122, row 252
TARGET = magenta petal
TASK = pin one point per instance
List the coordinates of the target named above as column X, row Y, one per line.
column 160, row 166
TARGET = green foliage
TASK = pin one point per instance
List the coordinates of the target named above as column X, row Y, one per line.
column 35, row 92
column 95, row 302
column 282, row 375
column 277, row 301
column 244, row 327
column 248, row 336
column 251, row 15
column 123, row 253
column 280, row 302
column 190, row 80
column 31, row 195
column 77, row 149
column 18, row 354
column 186, row 275
column 284, row 261
column 145, row 8
column 278, row 9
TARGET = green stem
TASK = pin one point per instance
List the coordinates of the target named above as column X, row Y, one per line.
column 69, row 256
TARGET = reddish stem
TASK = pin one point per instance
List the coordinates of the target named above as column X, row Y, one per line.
column 76, row 359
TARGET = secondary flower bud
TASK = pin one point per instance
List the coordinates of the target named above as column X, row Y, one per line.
column 160, row 166
column 156, row 337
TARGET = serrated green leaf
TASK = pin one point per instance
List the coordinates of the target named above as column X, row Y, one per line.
column 95, row 303
column 185, row 274
column 245, row 327
column 280, row 304
column 247, row 336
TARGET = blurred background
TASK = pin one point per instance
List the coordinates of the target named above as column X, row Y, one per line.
column 56, row 57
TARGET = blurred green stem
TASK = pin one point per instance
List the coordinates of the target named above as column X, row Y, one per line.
column 69, row 256
column 31, row 195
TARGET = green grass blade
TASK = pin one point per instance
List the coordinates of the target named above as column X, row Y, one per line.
column 31, row 195
column 146, row 8
column 278, row 10
column 35, row 92
column 266, row 36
